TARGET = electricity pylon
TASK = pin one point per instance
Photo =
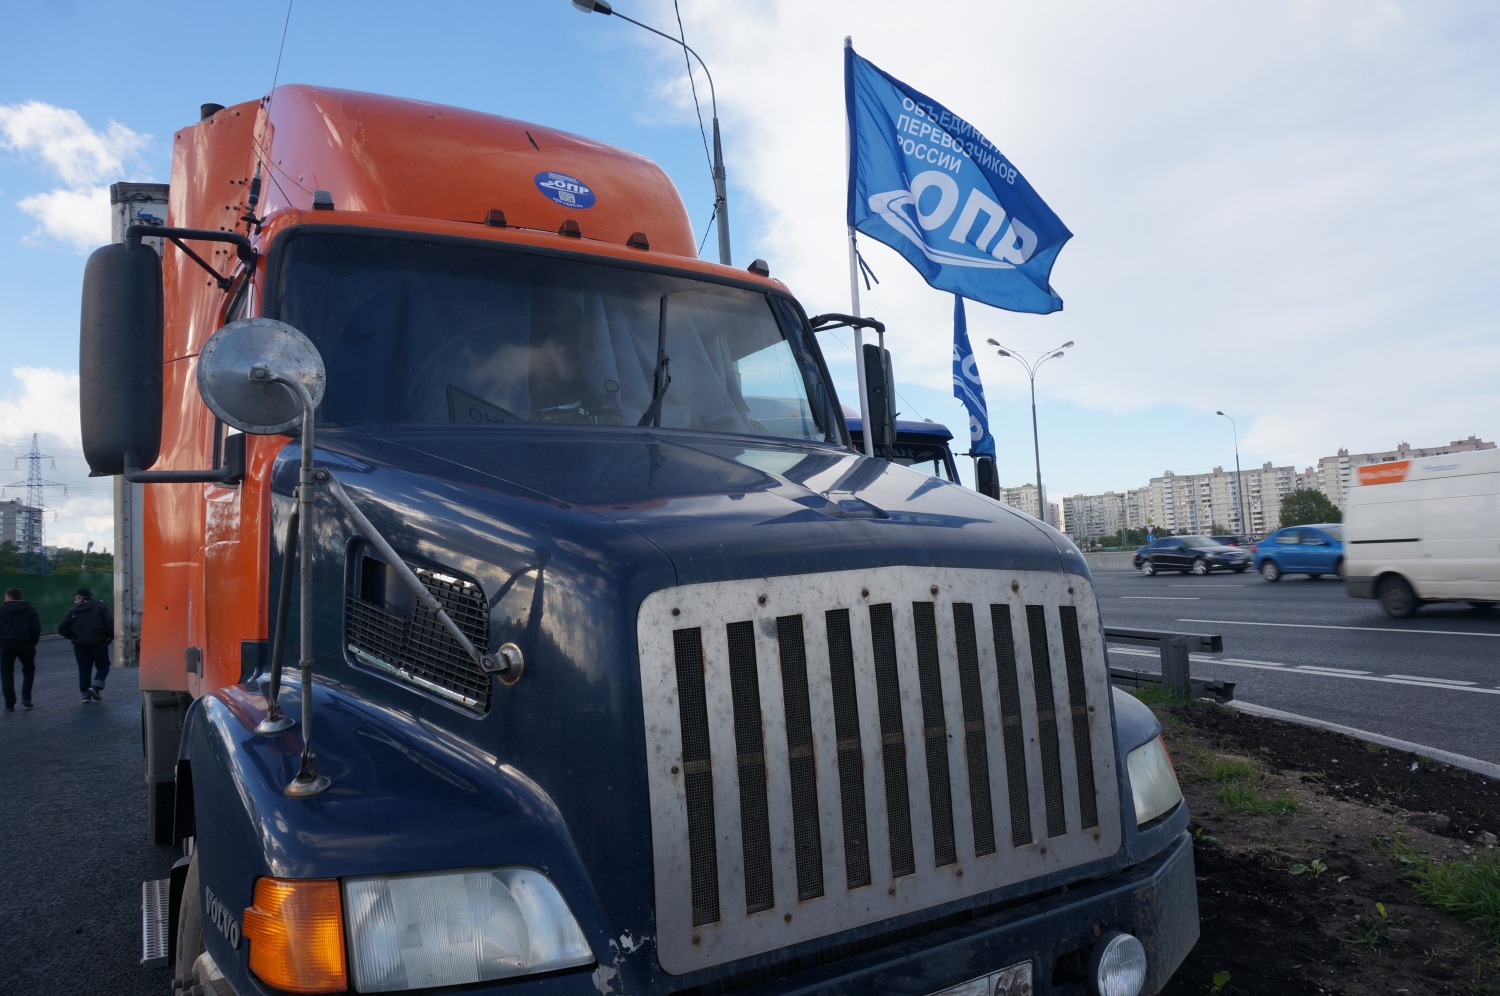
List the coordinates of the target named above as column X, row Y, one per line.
column 33, row 561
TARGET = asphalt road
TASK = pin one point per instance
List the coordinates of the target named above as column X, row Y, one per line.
column 73, row 838
column 1306, row 647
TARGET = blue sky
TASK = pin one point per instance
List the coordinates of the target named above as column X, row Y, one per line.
column 1287, row 210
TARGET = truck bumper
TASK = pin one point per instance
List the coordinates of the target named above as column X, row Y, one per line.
column 1360, row 587
column 1156, row 900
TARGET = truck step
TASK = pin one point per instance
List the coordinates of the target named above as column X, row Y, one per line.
column 155, row 897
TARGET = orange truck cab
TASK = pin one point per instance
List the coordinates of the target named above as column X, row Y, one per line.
column 513, row 614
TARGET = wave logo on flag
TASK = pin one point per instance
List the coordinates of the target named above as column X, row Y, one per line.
column 925, row 182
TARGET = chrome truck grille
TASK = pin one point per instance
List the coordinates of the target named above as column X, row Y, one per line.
column 833, row 750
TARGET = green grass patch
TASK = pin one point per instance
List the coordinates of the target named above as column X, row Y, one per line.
column 1223, row 770
column 1239, row 780
column 1469, row 888
column 1239, row 797
column 1158, row 695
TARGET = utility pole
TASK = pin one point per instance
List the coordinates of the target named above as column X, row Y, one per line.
column 1036, row 447
column 1243, row 503
column 33, row 561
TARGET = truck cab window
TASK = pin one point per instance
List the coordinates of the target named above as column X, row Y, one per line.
column 452, row 332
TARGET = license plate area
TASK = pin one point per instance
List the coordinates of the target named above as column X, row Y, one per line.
column 1013, row 980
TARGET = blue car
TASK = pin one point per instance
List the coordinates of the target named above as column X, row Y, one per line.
column 1313, row 550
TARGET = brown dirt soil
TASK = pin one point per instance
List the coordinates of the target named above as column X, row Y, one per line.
column 1279, row 933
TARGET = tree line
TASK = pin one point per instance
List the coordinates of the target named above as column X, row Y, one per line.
column 61, row 560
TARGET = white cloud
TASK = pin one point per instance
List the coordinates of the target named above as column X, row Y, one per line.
column 71, row 150
column 81, row 157
column 47, row 405
column 78, row 218
column 45, row 402
column 1285, row 210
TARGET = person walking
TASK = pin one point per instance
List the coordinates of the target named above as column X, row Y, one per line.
column 91, row 627
column 20, row 629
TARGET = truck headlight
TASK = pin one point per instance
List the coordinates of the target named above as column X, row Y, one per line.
column 1118, row 966
column 450, row 928
column 1153, row 783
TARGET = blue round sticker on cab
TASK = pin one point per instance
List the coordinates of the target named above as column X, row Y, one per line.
column 565, row 190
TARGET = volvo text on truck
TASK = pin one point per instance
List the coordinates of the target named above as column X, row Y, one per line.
column 568, row 646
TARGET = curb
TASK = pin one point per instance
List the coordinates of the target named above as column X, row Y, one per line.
column 1475, row 765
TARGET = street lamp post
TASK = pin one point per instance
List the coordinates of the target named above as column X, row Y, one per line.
column 1239, row 478
column 1036, row 447
column 721, row 193
column 85, row 558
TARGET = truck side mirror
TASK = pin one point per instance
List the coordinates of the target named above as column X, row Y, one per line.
column 120, row 358
column 880, row 388
column 238, row 370
column 986, row 477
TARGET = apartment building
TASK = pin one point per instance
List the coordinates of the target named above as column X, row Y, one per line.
column 1023, row 498
column 1196, row 503
column 1091, row 516
column 17, row 522
column 1335, row 473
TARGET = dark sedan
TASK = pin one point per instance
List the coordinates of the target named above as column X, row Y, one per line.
column 1190, row 554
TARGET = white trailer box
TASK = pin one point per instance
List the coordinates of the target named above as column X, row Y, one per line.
column 131, row 204
column 1425, row 530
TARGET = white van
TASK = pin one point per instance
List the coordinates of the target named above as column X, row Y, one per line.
column 1425, row 530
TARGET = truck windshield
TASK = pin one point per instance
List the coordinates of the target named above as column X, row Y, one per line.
column 466, row 332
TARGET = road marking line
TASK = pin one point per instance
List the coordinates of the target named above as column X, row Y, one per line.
column 1366, row 629
column 1163, row 598
column 1444, row 684
column 1200, row 658
column 1365, row 677
column 1209, row 586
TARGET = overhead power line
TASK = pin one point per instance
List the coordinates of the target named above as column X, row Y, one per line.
column 30, row 514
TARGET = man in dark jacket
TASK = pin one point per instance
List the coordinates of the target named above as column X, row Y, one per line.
column 20, row 629
column 91, row 627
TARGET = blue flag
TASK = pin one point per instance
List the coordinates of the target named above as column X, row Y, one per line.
column 966, row 386
column 926, row 183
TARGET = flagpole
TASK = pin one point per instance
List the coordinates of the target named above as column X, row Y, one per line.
column 859, row 339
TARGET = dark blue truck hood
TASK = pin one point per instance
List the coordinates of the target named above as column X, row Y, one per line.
column 567, row 529
column 721, row 507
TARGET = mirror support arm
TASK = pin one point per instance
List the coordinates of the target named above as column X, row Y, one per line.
column 243, row 247
column 822, row 323
column 224, row 475
column 487, row 664
column 307, row 782
column 275, row 720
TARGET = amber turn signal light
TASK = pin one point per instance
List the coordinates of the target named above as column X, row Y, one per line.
column 296, row 935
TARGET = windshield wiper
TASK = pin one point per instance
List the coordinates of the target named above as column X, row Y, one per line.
column 662, row 379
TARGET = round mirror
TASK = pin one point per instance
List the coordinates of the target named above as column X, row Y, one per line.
column 259, row 408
